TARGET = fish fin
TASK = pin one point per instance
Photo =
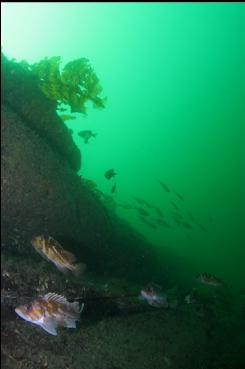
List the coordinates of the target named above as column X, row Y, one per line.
column 49, row 326
column 79, row 269
column 55, row 297
column 61, row 268
column 70, row 323
column 75, row 306
column 55, row 246
column 51, row 241
column 62, row 300
column 71, row 257
column 76, row 310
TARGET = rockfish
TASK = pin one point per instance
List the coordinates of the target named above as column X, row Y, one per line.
column 209, row 279
column 50, row 312
column 51, row 250
column 110, row 173
column 152, row 295
column 86, row 135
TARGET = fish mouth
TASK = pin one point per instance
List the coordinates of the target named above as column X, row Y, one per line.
column 20, row 313
column 23, row 315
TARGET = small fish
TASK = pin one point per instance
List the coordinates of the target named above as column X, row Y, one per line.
column 186, row 225
column 138, row 200
column 177, row 221
column 51, row 250
column 174, row 205
column 202, row 228
column 142, row 211
column 62, row 110
column 154, row 297
column 163, row 185
column 50, row 312
column 110, row 173
column 158, row 211
column 177, row 215
column 143, row 202
column 207, row 278
column 180, row 196
column 148, row 205
column 126, row 206
column 147, row 222
column 190, row 215
column 86, row 135
column 109, row 201
column 163, row 223
column 113, row 189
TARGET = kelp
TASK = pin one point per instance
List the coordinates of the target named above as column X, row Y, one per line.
column 72, row 86
column 65, row 117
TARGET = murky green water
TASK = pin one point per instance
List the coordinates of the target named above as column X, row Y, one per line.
column 174, row 78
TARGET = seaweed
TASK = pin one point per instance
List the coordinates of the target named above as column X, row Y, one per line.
column 73, row 86
column 65, row 117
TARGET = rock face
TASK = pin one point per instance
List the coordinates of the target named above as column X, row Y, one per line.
column 41, row 192
column 20, row 91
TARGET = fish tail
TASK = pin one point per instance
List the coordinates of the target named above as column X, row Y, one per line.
column 77, row 308
column 70, row 320
column 62, row 268
column 79, row 269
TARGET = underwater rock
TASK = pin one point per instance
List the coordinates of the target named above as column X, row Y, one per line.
column 40, row 192
column 20, row 91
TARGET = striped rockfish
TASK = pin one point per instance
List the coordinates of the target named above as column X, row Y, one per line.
column 50, row 312
column 207, row 278
column 51, row 250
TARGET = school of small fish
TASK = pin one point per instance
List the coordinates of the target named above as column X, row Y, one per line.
column 180, row 216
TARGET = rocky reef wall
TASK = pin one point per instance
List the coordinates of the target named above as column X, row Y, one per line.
column 42, row 193
column 20, row 91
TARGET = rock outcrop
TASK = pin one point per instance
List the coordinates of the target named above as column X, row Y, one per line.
column 20, row 91
column 42, row 193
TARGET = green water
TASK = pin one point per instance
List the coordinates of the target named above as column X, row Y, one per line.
column 174, row 78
